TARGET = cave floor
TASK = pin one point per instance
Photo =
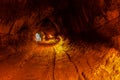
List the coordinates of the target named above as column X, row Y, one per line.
column 63, row 61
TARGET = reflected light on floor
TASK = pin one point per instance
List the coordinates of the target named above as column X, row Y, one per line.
column 61, row 46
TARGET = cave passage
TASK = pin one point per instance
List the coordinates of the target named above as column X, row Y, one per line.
column 59, row 40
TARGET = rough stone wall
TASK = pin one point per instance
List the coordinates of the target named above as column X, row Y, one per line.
column 88, row 46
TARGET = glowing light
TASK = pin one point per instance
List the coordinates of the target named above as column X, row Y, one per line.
column 50, row 36
column 38, row 37
column 61, row 47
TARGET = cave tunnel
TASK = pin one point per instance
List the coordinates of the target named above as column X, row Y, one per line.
column 59, row 40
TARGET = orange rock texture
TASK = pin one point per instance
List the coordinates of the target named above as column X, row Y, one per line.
column 80, row 40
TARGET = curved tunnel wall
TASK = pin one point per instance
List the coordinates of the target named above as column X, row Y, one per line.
column 83, row 44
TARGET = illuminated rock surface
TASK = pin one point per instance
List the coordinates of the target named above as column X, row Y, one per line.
column 78, row 48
